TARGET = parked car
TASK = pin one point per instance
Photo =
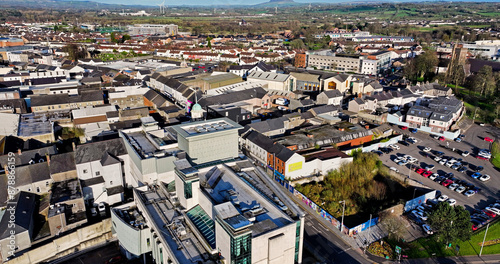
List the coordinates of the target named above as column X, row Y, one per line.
column 430, row 167
column 427, row 149
column 476, row 175
column 427, row 174
column 452, row 202
column 443, row 198
column 441, row 138
column 437, row 158
column 462, row 169
column 469, row 193
column 420, row 171
column 460, row 189
column 404, row 143
column 427, row 229
column 493, row 209
column 433, row 176
column 458, row 139
column 404, row 127
column 394, row 169
column 488, row 139
column 394, row 146
column 484, row 177
column 465, row 153
column 453, row 186
column 478, row 168
column 413, row 130
column 447, row 182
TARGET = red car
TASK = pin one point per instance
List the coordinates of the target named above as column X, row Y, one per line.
column 441, row 138
column 474, row 227
column 490, row 214
column 427, row 174
column 447, row 183
column 404, row 128
column 488, row 139
column 481, row 157
column 420, row 170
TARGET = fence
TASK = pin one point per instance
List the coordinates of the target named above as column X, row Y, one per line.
column 322, row 212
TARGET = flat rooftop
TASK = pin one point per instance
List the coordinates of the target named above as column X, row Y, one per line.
column 157, row 144
column 40, row 124
column 181, row 241
column 65, row 190
column 206, row 127
column 239, row 204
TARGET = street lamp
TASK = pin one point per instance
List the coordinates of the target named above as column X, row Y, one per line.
column 343, row 210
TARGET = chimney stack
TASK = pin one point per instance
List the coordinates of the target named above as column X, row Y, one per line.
column 47, row 157
column 19, row 151
column 74, row 146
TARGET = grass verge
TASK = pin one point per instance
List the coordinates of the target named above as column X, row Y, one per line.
column 495, row 154
column 473, row 246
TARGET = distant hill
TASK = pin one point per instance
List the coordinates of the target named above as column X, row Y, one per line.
column 279, row 3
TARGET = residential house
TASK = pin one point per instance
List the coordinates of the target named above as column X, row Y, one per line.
column 104, row 169
column 329, row 97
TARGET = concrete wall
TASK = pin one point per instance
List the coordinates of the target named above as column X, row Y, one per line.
column 81, row 239
column 277, row 246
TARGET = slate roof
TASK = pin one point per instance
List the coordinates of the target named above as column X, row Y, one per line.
column 92, row 181
column 62, row 162
column 28, row 155
column 233, row 97
column 108, row 159
column 477, row 64
column 95, row 151
column 332, row 93
column 38, row 172
column 26, row 208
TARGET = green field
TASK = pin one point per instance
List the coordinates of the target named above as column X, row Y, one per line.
column 472, row 247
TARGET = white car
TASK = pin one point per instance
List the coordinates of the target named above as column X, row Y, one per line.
column 460, row 189
column 393, row 146
column 442, row 198
column 493, row 209
column 452, row 202
column 465, row 153
column 398, row 159
column 437, row 158
column 413, row 160
column 469, row 193
column 430, row 167
column 427, row 229
column 453, row 186
column 413, row 139
column 450, row 163
column 433, row 176
column 394, row 169
column 484, row 177
column 427, row 149
column 443, row 161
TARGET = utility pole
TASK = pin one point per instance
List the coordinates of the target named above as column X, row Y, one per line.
column 343, row 210
column 482, row 245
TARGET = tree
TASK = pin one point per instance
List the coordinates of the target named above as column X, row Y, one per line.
column 425, row 64
column 74, row 51
column 450, row 223
column 297, row 44
column 393, row 225
column 484, row 81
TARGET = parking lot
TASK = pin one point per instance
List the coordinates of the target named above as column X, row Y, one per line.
column 473, row 141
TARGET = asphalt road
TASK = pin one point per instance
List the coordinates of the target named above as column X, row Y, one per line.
column 328, row 245
column 472, row 142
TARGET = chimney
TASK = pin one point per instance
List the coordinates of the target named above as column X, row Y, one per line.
column 5, row 167
column 47, row 157
column 367, row 127
column 73, row 145
column 19, row 151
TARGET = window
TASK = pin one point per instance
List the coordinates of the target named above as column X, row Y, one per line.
column 85, row 171
column 97, row 173
column 110, row 182
column 188, row 190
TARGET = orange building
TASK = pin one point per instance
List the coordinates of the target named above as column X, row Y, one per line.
column 10, row 42
column 300, row 60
